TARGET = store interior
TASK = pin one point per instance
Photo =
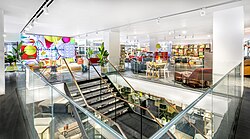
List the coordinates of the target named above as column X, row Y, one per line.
column 165, row 57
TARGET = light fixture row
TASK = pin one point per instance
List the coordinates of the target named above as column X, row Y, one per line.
column 35, row 20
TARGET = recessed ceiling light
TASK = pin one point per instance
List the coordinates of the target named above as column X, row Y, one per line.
column 184, row 32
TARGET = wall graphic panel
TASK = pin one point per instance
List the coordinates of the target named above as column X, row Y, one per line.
column 47, row 47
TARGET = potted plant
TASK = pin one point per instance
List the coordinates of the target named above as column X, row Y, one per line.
column 103, row 55
column 89, row 53
column 15, row 56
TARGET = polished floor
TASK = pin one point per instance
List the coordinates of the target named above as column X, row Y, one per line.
column 243, row 126
column 12, row 124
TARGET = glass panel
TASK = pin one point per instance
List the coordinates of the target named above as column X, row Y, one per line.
column 212, row 115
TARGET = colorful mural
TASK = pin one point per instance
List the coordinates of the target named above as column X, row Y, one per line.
column 47, row 47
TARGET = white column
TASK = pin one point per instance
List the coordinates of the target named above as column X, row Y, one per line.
column 228, row 33
column 152, row 43
column 112, row 44
column 2, row 73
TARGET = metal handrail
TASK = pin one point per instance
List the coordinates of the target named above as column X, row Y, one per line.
column 177, row 118
column 85, row 111
column 177, row 112
column 157, row 121
column 122, row 76
column 80, row 91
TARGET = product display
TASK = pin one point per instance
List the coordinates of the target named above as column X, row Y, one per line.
column 122, row 58
column 192, row 52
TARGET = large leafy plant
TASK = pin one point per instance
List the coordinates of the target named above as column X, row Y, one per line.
column 15, row 55
column 89, row 52
column 102, row 55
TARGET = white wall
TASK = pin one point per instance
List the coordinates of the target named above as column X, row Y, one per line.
column 2, row 74
column 228, row 33
column 112, row 44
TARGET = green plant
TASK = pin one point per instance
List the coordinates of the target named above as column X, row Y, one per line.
column 10, row 59
column 89, row 52
column 158, row 46
column 102, row 55
column 15, row 55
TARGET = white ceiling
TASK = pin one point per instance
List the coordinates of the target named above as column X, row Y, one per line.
column 72, row 17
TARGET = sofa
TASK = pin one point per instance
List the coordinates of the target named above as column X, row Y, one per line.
column 247, row 67
column 139, row 66
column 200, row 77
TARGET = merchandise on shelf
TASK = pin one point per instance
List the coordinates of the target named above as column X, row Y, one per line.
column 194, row 52
column 122, row 58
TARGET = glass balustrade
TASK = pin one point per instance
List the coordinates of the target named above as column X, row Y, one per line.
column 51, row 112
column 212, row 114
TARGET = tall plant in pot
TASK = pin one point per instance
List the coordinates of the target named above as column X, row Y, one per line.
column 15, row 55
column 103, row 57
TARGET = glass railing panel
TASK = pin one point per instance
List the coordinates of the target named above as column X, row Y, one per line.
column 193, row 75
column 213, row 114
column 48, row 109
column 226, row 110
column 34, row 98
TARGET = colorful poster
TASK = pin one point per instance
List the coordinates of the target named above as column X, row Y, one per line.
column 47, row 47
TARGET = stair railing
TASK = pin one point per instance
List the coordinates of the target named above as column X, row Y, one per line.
column 171, row 105
column 87, row 105
column 150, row 113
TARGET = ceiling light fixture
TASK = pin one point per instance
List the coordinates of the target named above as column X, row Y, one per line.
column 45, row 10
column 23, row 33
column 32, row 25
column 202, row 12
column 35, row 21
column 184, row 32
column 208, row 36
column 158, row 20
column 4, row 35
column 27, row 29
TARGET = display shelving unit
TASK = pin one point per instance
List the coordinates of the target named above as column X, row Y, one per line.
column 122, row 58
column 192, row 51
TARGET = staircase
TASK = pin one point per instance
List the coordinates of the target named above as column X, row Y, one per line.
column 100, row 96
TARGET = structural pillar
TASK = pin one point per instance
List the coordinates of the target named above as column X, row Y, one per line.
column 152, row 43
column 2, row 73
column 228, row 34
column 112, row 44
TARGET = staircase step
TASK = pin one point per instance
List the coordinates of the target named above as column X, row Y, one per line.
column 93, row 86
column 86, row 92
column 101, row 103
column 110, row 107
column 118, row 111
column 98, row 95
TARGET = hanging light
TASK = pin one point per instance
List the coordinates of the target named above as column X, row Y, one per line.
column 45, row 10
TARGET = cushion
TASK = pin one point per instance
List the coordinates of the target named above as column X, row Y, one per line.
column 247, row 62
column 70, row 60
